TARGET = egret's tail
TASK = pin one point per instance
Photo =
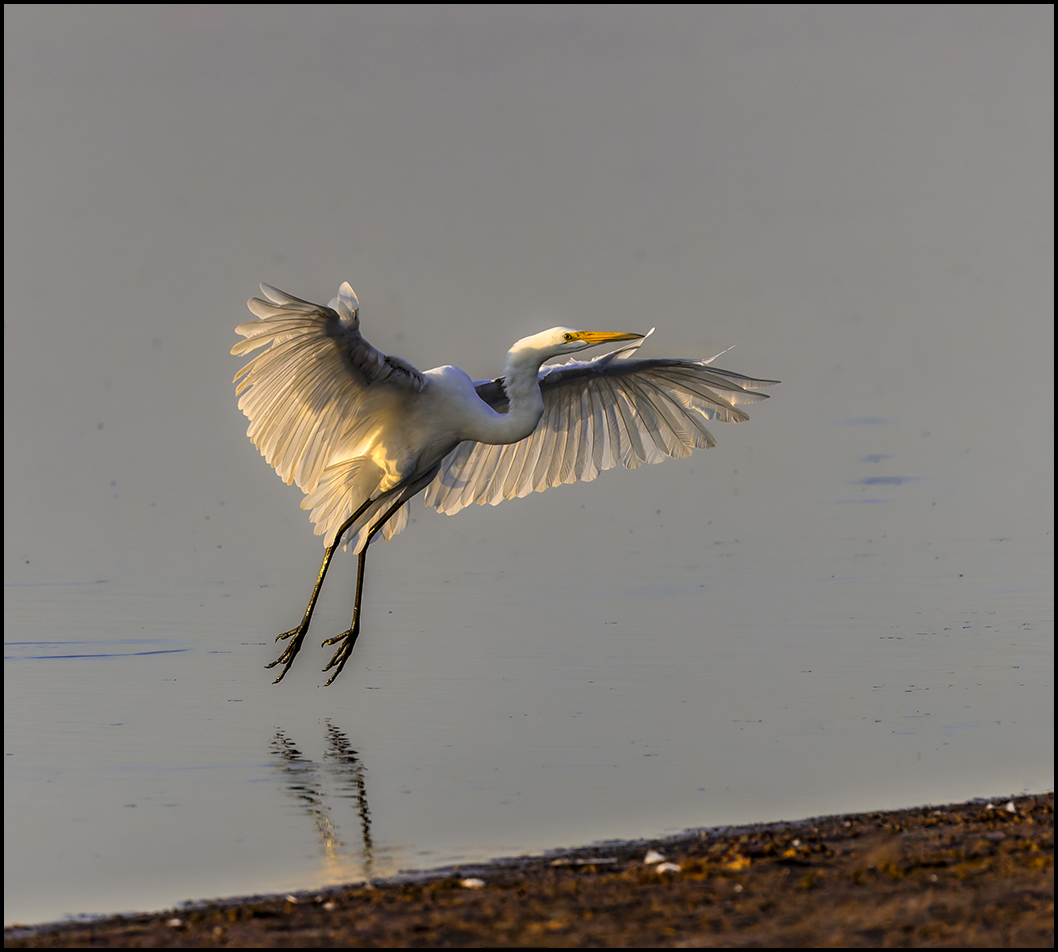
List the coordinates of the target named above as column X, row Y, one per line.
column 342, row 489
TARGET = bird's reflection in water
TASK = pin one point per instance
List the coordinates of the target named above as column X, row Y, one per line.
column 340, row 775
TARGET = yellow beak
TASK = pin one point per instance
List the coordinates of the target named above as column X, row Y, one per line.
column 603, row 337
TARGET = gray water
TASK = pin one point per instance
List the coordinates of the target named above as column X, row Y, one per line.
column 846, row 605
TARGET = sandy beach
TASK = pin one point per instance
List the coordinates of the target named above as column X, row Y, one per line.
column 979, row 873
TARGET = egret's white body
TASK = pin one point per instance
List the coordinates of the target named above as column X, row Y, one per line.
column 361, row 432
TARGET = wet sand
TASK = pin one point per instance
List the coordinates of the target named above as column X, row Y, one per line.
column 971, row 874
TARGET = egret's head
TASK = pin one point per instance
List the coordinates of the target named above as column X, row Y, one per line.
column 567, row 340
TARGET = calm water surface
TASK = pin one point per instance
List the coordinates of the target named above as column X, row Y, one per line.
column 495, row 712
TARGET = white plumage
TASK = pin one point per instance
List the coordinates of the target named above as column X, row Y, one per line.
column 597, row 414
column 361, row 433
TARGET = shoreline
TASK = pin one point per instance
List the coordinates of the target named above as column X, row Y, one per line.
column 969, row 874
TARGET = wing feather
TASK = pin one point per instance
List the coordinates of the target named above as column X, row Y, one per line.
column 619, row 427
column 548, row 438
column 587, row 441
column 504, row 461
column 485, row 474
column 560, row 425
column 572, row 434
column 524, row 458
column 613, row 410
column 653, row 420
column 601, row 456
column 302, row 393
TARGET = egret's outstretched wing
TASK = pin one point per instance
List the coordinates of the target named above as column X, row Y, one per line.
column 597, row 413
column 300, row 392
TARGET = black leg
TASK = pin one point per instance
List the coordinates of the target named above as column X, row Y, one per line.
column 297, row 635
column 347, row 638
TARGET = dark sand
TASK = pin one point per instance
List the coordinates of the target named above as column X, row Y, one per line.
column 971, row 874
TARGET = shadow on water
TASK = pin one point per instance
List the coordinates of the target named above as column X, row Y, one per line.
column 341, row 775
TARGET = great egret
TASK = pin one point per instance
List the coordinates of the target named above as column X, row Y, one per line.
column 361, row 432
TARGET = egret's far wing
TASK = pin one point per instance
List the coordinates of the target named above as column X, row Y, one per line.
column 301, row 394
column 597, row 414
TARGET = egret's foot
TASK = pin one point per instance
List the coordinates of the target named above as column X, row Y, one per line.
column 345, row 642
column 286, row 659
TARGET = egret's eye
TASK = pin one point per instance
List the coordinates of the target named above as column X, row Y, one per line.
column 567, row 337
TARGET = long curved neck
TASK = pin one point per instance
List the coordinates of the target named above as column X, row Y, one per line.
column 523, row 391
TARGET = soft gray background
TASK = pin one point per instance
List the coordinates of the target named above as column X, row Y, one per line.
column 847, row 604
